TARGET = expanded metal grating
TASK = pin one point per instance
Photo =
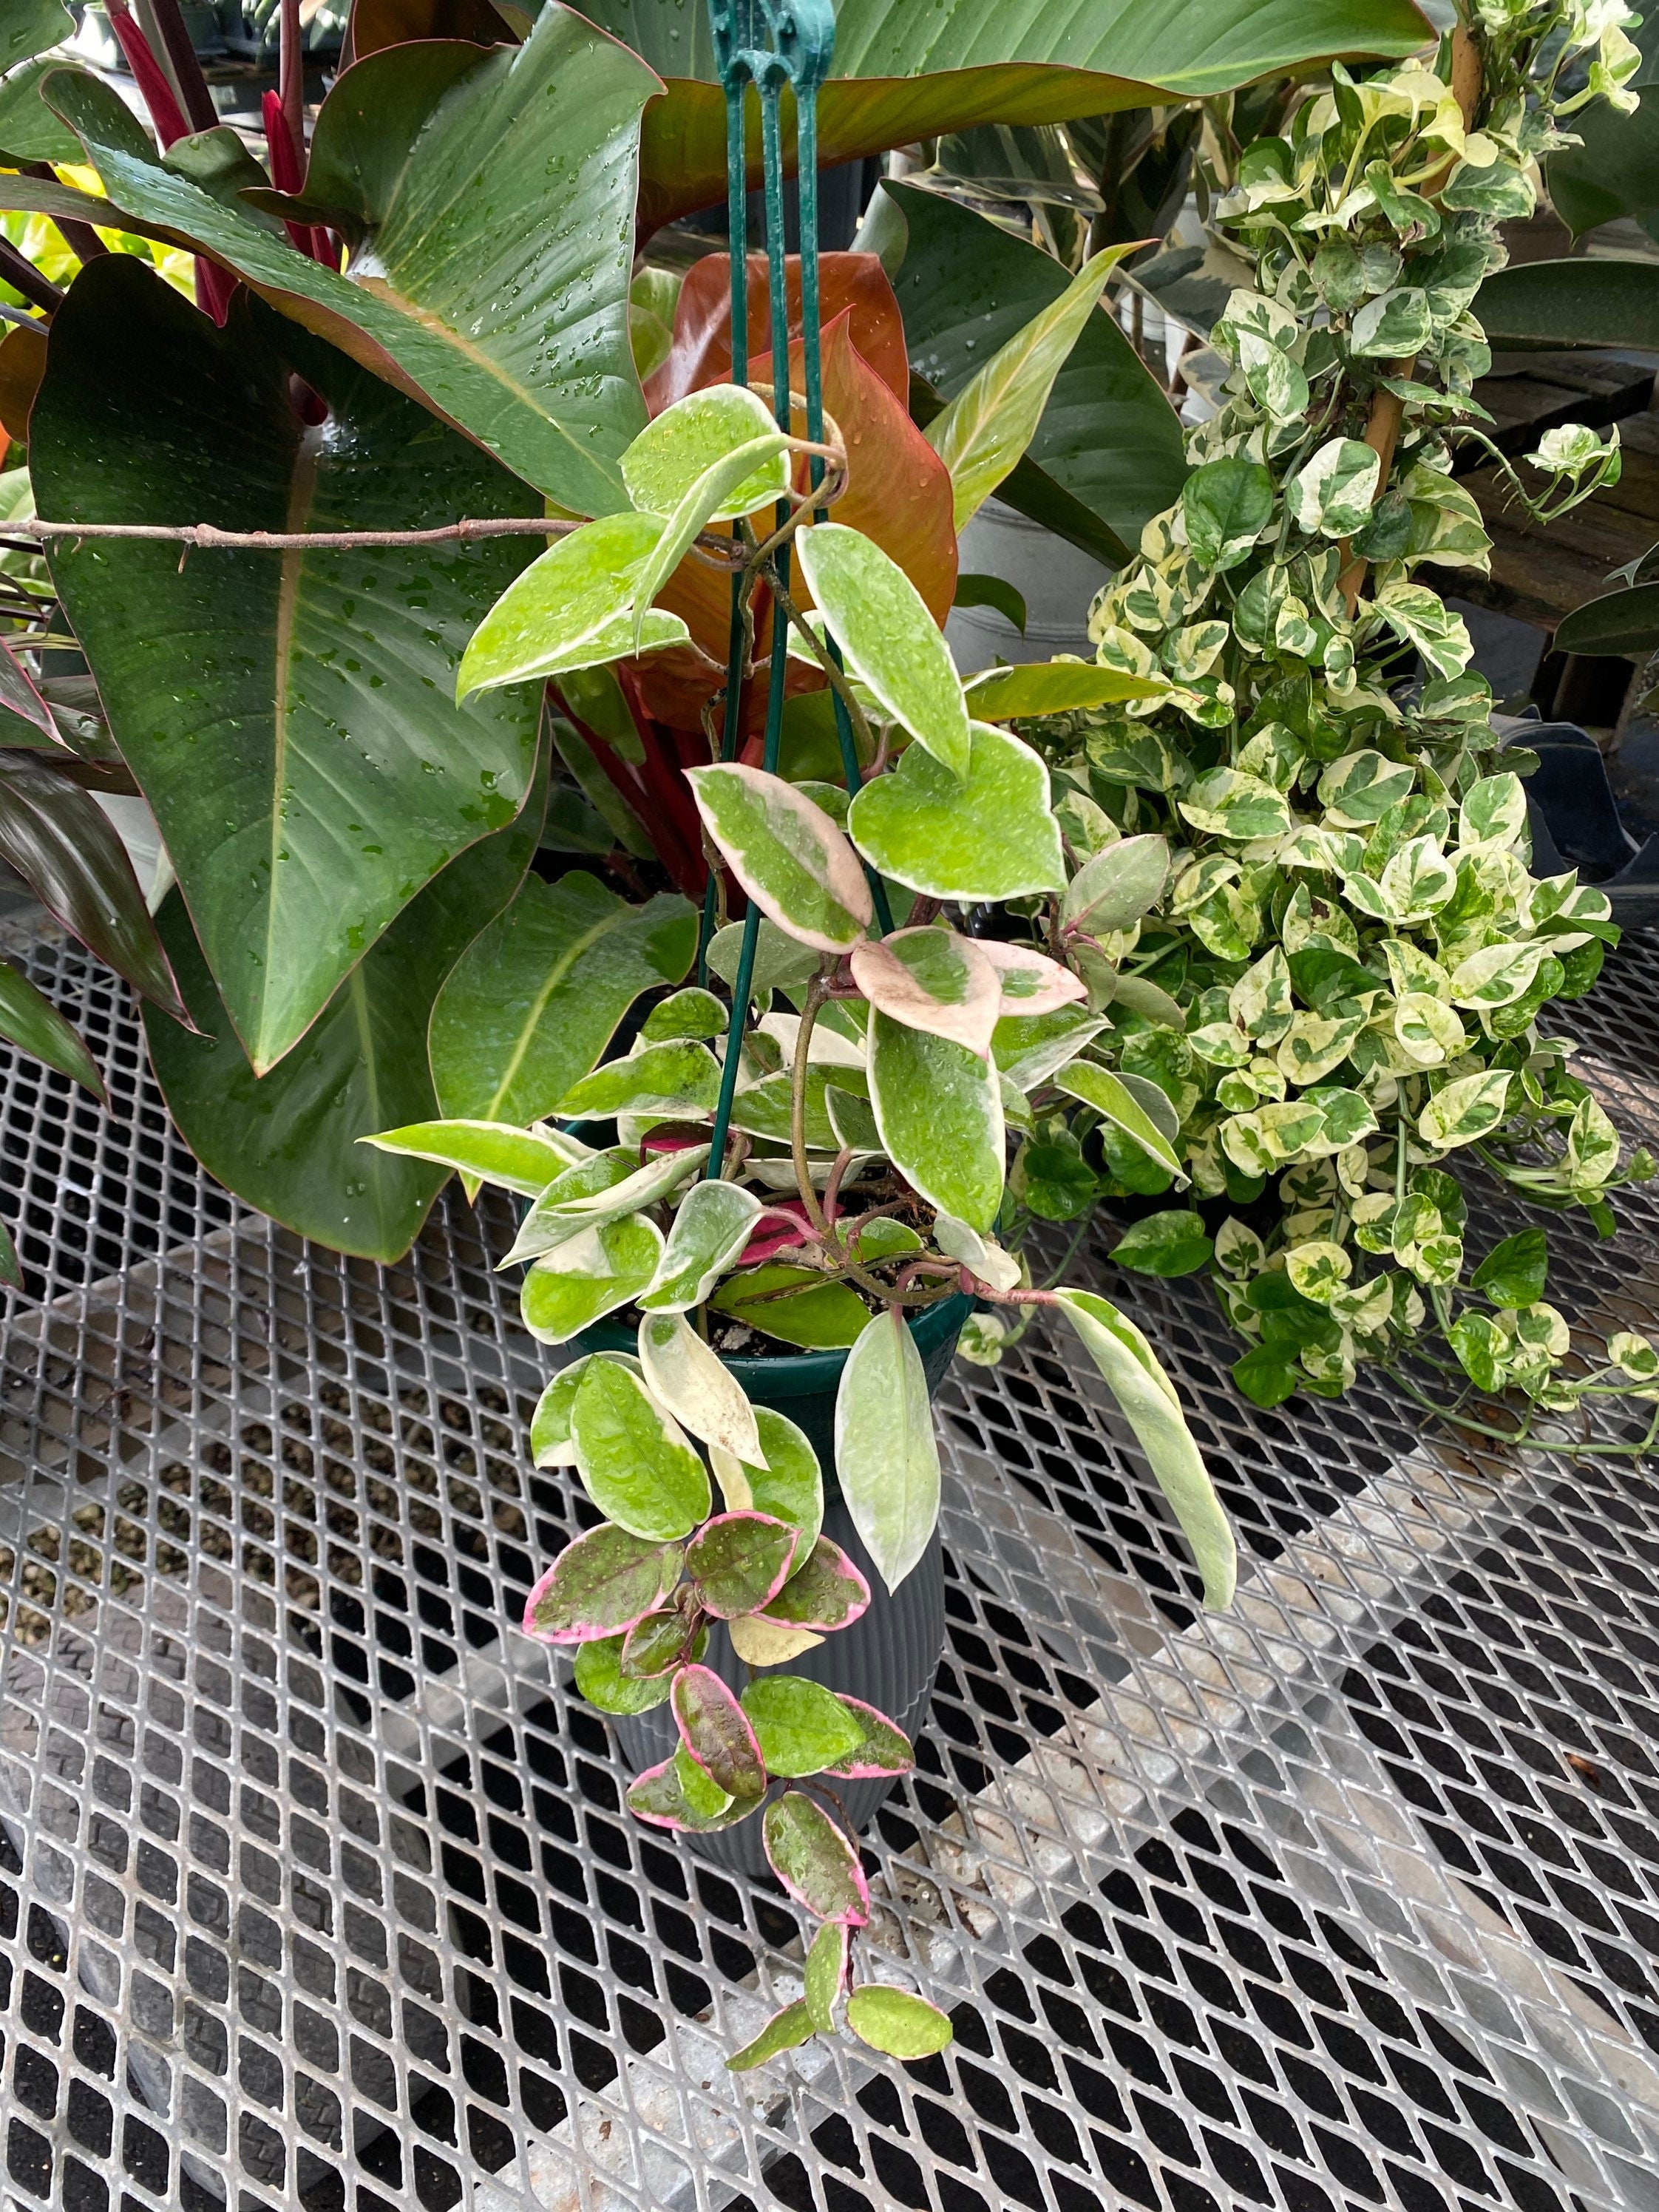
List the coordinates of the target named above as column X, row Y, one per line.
column 315, row 1888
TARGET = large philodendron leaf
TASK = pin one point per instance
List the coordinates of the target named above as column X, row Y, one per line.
column 903, row 71
column 288, row 1142
column 289, row 716
column 488, row 198
column 1108, row 437
column 1580, row 302
column 30, row 27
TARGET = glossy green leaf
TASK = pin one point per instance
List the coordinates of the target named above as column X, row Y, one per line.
column 1117, row 885
column 1110, row 1097
column 1513, row 1273
column 781, row 962
column 662, row 1079
column 715, row 1732
column 488, row 281
column 316, row 684
column 1622, row 622
column 814, row 1860
column 711, row 1226
column 801, row 1725
column 693, row 1013
column 680, row 1795
column 938, row 1108
column 1107, row 453
column 30, row 1021
column 730, row 479
column 30, row 27
column 787, row 853
column 1052, row 687
column 634, row 1463
column 603, row 1582
column 887, row 1455
column 29, row 130
column 884, row 1748
column 25, row 717
column 1148, row 1401
column 572, row 608
column 656, row 1646
column 825, row 1591
column 589, row 1276
column 991, row 837
column 695, row 1385
column 819, row 1316
column 601, row 1189
column 826, row 1974
column 888, row 638
column 892, row 2020
column 986, row 429
column 287, row 1143
column 785, row 2031
column 522, row 1160
column 1172, row 1243
column 789, row 1487
column 977, row 591
column 602, row 1682
column 535, row 999
column 550, row 1425
column 1226, row 505
column 674, row 453
column 934, row 980
column 739, row 1561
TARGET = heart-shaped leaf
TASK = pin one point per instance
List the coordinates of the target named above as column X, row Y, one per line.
column 695, row 1385
column 344, row 779
column 939, row 1107
column 894, row 2021
column 603, row 1582
column 887, row 1455
column 812, row 1857
column 887, row 637
column 534, row 1001
column 1513, row 1273
column 789, row 1487
column 787, row 853
column 801, row 1725
column 739, row 1560
column 990, row 837
column 634, row 1462
column 588, row 1277
column 884, row 1749
column 825, row 1591
column 932, row 980
column 715, row 1732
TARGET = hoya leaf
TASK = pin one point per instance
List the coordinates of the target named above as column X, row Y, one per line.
column 634, row 1462
column 680, row 1795
column 1030, row 981
column 571, row 608
column 789, row 1486
column 1172, row 1243
column 715, row 1732
column 683, row 1079
column 887, row 1455
column 693, row 1013
column 711, row 1227
column 589, row 1276
column 932, row 980
column 1514, row 1273
column 888, row 638
column 892, row 2020
column 787, row 853
column 602, row 1682
column 711, row 494
column 1110, row 1096
column 826, row 1974
column 785, row 2031
column 985, row 431
column 603, row 1582
column 983, row 1258
column 550, row 1425
column 740, row 1561
column 808, row 1854
column 658, row 1644
column 696, row 434
column 885, row 1748
column 1117, row 886
column 990, row 837
column 938, row 1108
column 522, row 1160
column 598, row 1190
column 816, row 1315
column 759, row 1642
column 1052, row 687
column 696, row 1387
column 826, row 1591
column 1149, row 1404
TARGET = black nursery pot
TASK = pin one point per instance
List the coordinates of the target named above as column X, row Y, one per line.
column 890, row 1655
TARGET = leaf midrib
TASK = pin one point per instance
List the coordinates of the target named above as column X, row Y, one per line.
column 538, row 1005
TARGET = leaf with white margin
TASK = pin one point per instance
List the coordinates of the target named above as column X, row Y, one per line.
column 938, row 1108
column 712, row 495
column 1498, row 975
column 1111, row 1098
column 1121, row 882
column 696, row 1387
column 678, row 448
column 789, row 1486
column 522, row 1160
column 1418, row 880
column 1030, row 1048
column 1030, row 982
column 991, row 837
column 934, row 980
column 887, row 637
column 572, row 608
column 1465, row 1111
column 787, row 853
column 683, row 1078
column 1148, row 1400
column 565, row 1208
column 550, row 1425
column 780, row 964
column 709, row 1230
column 886, row 1455
column 1422, row 617
column 983, row 1257
column 589, row 1276
column 692, row 1012
column 825, row 1048
column 634, row 1462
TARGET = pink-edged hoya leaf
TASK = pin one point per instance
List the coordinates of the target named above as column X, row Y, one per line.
column 739, row 1561
column 893, row 2020
column 787, row 854
column 715, row 1732
column 679, row 1795
column 825, row 1591
column 605, row 1581
column 814, row 1861
column 783, row 2031
column 934, row 980
column 1031, row 983
column 885, row 1748
column 826, row 1973
column 656, row 1645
